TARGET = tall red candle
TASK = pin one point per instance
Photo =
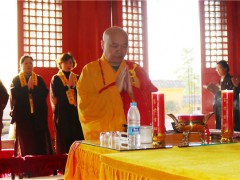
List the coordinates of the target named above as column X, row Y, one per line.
column 227, row 109
column 227, row 115
column 158, row 113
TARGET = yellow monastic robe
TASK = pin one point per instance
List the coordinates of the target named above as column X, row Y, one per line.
column 100, row 105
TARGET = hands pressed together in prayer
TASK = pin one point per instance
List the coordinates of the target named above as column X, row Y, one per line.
column 71, row 82
column 123, row 82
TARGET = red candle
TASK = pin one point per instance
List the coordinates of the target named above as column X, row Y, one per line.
column 227, row 110
column 158, row 113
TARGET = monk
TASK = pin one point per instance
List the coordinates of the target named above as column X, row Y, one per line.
column 107, row 86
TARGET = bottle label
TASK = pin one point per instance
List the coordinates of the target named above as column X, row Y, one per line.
column 133, row 130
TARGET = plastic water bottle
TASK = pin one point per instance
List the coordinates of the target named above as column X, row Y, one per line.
column 133, row 120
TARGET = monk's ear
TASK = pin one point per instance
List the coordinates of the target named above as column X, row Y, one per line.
column 102, row 44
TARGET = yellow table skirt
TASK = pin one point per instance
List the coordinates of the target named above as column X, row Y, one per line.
column 205, row 162
column 84, row 161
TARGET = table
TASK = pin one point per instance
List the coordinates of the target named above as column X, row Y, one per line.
column 86, row 161
column 205, row 162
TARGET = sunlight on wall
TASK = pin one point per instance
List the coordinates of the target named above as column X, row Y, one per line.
column 8, row 45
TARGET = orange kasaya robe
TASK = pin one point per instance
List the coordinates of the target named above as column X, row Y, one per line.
column 101, row 106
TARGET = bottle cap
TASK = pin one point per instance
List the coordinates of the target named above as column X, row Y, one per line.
column 133, row 104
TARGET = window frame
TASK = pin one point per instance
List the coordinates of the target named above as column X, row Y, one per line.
column 44, row 55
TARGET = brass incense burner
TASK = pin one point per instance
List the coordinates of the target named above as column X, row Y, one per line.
column 187, row 123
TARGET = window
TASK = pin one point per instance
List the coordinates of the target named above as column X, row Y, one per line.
column 42, row 31
column 8, row 64
column 132, row 24
column 216, row 41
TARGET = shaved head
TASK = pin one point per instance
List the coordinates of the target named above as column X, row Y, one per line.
column 115, row 30
column 114, row 45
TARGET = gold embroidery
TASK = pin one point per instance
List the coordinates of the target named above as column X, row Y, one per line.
column 23, row 80
column 71, row 95
column 31, row 103
column 134, row 79
column 23, row 83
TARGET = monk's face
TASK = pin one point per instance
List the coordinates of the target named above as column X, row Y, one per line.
column 115, row 46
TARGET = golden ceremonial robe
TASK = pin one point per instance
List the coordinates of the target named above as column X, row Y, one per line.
column 101, row 107
column 99, row 101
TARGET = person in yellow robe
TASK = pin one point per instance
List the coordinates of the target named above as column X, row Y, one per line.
column 104, row 84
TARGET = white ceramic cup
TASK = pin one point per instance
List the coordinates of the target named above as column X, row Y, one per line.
column 146, row 134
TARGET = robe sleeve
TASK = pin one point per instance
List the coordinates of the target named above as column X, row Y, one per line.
column 19, row 100
column 91, row 102
column 98, row 111
column 40, row 90
column 142, row 94
column 18, row 93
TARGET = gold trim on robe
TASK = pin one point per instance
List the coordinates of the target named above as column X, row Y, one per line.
column 23, row 83
column 71, row 95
